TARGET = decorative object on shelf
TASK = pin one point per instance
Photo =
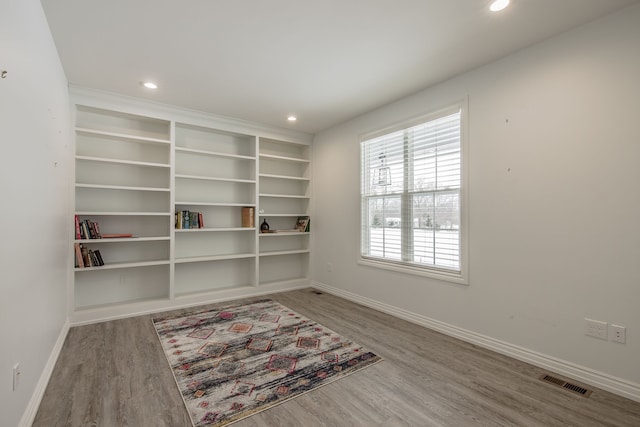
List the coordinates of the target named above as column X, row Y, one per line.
column 247, row 217
column 234, row 361
column 302, row 224
column 264, row 227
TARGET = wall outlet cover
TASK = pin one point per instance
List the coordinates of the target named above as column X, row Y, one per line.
column 596, row 328
column 618, row 334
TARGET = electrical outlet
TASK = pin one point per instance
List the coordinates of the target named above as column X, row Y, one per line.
column 595, row 328
column 16, row 376
column 618, row 334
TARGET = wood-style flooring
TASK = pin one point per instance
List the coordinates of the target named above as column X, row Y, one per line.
column 115, row 374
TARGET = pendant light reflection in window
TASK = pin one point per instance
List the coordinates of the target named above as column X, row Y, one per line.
column 382, row 174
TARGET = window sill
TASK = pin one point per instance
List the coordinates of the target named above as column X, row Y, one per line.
column 453, row 277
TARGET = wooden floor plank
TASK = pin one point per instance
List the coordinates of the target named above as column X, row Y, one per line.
column 114, row 374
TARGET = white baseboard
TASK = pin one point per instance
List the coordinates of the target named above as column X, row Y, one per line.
column 34, row 403
column 104, row 314
column 601, row 380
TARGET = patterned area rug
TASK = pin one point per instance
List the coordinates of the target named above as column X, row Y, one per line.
column 233, row 362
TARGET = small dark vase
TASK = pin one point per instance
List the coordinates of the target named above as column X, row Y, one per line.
column 264, row 227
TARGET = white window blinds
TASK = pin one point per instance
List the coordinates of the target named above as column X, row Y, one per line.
column 410, row 193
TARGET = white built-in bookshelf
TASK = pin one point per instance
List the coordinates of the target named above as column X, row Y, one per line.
column 215, row 174
column 284, row 196
column 122, row 181
column 134, row 170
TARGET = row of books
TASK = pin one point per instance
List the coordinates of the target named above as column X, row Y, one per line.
column 188, row 219
column 86, row 257
column 87, row 229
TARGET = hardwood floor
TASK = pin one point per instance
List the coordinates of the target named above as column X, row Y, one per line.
column 115, row 374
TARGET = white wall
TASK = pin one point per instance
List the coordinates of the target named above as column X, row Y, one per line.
column 554, row 240
column 34, row 118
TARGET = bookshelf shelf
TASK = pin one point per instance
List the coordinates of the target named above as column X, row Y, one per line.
column 284, row 158
column 207, row 178
column 103, row 213
column 119, row 305
column 199, row 293
column 282, row 233
column 295, row 178
column 214, row 258
column 121, row 136
column 279, row 253
column 284, row 196
column 291, row 279
column 122, row 187
column 281, row 215
column 123, row 240
column 214, row 154
column 124, row 265
column 122, row 162
column 214, row 230
column 183, row 203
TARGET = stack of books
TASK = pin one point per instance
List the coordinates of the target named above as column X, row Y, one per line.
column 87, row 229
column 87, row 257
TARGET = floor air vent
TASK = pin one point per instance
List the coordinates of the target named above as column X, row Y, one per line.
column 584, row 392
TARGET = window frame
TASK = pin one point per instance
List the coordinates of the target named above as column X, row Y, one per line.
column 434, row 272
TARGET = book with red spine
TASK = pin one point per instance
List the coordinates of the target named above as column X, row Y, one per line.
column 78, row 250
column 78, row 235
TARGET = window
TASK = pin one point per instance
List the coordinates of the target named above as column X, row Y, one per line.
column 411, row 194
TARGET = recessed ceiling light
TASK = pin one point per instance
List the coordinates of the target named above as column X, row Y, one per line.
column 150, row 85
column 292, row 118
column 498, row 5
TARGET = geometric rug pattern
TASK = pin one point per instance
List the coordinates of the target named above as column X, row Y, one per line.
column 232, row 362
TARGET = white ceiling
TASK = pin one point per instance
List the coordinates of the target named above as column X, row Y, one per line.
column 325, row 61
